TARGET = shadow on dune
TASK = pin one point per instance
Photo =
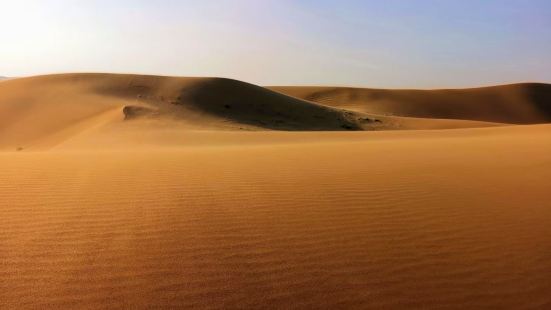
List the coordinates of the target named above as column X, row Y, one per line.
column 254, row 105
column 540, row 95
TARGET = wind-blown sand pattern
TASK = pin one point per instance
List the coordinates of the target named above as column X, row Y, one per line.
column 113, row 197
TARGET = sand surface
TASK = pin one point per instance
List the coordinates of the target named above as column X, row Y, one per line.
column 524, row 103
column 180, row 206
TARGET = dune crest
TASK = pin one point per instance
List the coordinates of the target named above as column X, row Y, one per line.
column 525, row 103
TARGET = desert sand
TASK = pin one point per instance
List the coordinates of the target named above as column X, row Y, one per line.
column 127, row 191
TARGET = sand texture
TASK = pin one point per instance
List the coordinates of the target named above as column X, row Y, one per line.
column 143, row 192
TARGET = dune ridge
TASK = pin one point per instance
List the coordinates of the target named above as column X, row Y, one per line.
column 214, row 98
column 38, row 110
column 523, row 103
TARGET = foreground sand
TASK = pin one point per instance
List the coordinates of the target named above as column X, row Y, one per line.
column 411, row 219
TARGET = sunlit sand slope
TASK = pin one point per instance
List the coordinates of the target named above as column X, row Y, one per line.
column 31, row 108
column 456, row 219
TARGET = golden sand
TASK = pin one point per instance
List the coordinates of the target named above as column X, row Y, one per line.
column 102, row 207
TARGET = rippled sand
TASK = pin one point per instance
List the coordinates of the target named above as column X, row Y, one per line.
column 440, row 219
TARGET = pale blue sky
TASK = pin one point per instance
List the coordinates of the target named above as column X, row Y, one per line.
column 372, row 43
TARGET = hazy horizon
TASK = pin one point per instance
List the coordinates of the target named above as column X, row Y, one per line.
column 393, row 44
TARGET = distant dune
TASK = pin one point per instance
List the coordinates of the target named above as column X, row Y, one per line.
column 149, row 192
column 528, row 103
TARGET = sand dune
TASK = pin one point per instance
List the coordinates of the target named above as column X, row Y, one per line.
column 528, row 103
column 46, row 110
column 146, row 192
column 199, row 102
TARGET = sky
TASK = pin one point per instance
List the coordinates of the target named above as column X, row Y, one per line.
column 364, row 43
